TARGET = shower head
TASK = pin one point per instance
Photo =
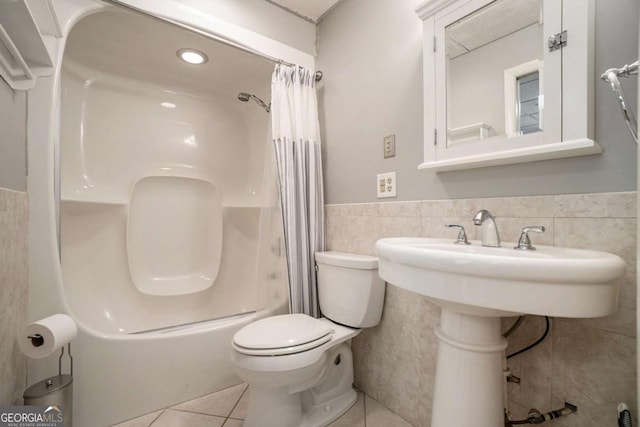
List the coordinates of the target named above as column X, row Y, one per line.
column 244, row 97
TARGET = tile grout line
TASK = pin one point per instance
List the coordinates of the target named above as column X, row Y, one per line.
column 156, row 419
column 238, row 401
column 364, row 407
column 186, row 411
column 234, row 407
column 173, row 408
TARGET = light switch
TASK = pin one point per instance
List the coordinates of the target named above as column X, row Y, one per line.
column 389, row 146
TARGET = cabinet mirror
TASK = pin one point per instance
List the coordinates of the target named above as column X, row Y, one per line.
column 506, row 81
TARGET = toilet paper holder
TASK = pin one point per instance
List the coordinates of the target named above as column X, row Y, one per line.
column 37, row 340
column 54, row 391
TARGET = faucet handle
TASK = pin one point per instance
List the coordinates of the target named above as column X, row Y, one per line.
column 524, row 242
column 462, row 235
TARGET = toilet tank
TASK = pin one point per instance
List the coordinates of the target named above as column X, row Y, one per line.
column 350, row 292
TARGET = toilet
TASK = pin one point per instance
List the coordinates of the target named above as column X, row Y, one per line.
column 300, row 369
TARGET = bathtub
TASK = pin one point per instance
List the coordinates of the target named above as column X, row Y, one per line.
column 154, row 214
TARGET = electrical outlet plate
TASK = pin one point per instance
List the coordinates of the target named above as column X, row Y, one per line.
column 389, row 146
column 386, row 185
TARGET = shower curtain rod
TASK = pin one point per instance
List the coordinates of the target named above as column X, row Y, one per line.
column 206, row 34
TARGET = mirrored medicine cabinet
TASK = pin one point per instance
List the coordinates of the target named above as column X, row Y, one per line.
column 506, row 81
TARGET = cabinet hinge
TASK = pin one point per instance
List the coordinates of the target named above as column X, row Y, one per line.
column 435, row 43
column 435, row 137
column 557, row 41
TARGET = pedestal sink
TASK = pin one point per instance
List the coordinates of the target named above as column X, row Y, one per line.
column 475, row 286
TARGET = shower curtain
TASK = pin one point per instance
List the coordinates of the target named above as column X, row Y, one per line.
column 296, row 138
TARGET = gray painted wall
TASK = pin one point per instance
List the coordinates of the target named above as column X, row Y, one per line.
column 13, row 164
column 371, row 54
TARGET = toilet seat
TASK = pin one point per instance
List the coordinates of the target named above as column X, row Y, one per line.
column 282, row 335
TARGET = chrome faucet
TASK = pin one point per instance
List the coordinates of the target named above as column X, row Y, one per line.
column 490, row 235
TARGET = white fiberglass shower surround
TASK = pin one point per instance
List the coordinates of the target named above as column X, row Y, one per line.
column 155, row 220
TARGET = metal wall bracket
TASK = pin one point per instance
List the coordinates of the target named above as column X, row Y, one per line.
column 557, row 41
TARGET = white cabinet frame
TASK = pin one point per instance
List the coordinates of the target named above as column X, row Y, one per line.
column 568, row 119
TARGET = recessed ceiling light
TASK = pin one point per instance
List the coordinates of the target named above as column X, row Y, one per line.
column 168, row 104
column 192, row 56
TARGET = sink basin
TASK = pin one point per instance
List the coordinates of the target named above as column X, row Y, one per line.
column 484, row 281
column 475, row 286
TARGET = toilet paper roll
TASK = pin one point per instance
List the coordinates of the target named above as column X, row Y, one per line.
column 42, row 338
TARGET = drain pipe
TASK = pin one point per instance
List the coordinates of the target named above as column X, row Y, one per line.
column 536, row 417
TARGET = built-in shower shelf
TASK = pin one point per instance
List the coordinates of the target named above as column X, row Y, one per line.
column 116, row 202
column 97, row 203
column 27, row 29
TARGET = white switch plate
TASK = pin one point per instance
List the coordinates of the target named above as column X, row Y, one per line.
column 386, row 185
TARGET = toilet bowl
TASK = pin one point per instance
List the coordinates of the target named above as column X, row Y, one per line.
column 300, row 369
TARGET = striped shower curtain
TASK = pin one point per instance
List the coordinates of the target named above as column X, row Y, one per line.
column 296, row 138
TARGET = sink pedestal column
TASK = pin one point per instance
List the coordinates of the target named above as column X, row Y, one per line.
column 469, row 379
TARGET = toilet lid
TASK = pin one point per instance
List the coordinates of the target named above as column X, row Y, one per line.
column 286, row 334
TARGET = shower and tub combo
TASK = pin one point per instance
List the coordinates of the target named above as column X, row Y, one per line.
column 155, row 217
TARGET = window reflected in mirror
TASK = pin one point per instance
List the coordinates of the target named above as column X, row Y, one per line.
column 528, row 111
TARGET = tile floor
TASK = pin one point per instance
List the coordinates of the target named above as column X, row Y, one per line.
column 227, row 408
